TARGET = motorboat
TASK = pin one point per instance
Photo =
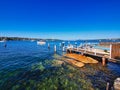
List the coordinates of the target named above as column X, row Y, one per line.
column 2, row 40
column 41, row 42
column 32, row 40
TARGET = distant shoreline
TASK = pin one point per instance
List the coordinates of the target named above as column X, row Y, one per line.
column 24, row 38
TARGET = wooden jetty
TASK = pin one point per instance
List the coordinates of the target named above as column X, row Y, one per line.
column 113, row 55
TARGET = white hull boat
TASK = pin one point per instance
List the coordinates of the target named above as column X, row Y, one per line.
column 41, row 42
column 2, row 41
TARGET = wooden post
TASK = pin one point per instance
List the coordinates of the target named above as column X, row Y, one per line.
column 63, row 48
column 70, row 50
column 77, row 48
column 85, row 47
column 48, row 46
column 103, row 61
column 85, row 50
column 82, row 53
column 54, row 48
column 110, row 50
column 76, row 44
column 107, row 86
column 67, row 50
column 95, row 51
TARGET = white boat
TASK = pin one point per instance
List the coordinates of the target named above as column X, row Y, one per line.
column 32, row 40
column 41, row 42
column 2, row 40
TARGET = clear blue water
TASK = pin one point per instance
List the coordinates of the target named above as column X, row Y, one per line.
column 24, row 65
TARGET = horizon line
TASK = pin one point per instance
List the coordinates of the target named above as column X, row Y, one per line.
column 57, row 38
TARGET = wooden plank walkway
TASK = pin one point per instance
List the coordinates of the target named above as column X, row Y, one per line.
column 93, row 53
column 90, row 52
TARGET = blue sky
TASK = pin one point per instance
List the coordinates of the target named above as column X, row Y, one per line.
column 61, row 19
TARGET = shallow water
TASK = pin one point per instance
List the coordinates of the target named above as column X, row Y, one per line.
column 24, row 65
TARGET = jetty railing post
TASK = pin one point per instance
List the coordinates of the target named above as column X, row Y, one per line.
column 77, row 48
column 54, row 48
column 75, row 44
column 95, row 51
column 82, row 53
column 63, row 49
column 85, row 50
column 107, row 86
column 103, row 61
column 60, row 45
column 48, row 46
column 85, row 47
column 110, row 51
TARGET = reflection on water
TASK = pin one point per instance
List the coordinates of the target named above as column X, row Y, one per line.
column 27, row 66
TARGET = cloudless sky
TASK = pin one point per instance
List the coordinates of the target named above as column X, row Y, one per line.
column 61, row 19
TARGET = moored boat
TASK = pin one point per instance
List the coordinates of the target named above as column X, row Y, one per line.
column 41, row 42
column 2, row 40
column 32, row 40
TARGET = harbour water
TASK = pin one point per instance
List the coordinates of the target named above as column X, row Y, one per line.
column 24, row 65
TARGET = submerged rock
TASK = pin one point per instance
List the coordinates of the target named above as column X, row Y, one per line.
column 117, row 84
column 57, row 62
